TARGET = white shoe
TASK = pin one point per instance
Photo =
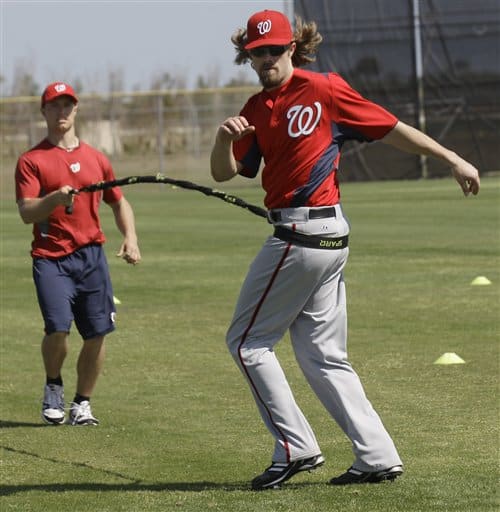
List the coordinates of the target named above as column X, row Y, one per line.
column 53, row 404
column 81, row 414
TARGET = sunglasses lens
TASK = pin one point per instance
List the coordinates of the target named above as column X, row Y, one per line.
column 274, row 51
column 259, row 52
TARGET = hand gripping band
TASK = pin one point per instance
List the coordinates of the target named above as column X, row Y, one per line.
column 311, row 241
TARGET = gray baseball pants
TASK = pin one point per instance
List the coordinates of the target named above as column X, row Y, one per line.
column 302, row 290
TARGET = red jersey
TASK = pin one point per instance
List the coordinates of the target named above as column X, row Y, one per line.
column 300, row 130
column 46, row 168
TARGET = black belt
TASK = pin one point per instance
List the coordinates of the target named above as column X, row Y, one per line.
column 314, row 213
column 311, row 241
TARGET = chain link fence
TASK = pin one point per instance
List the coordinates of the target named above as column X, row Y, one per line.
column 155, row 128
column 173, row 131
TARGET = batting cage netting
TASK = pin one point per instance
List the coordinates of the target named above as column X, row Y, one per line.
column 433, row 63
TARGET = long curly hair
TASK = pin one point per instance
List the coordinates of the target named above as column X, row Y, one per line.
column 306, row 37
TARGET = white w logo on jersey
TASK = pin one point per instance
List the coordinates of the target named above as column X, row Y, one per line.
column 303, row 119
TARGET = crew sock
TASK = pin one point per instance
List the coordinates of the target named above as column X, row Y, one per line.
column 58, row 381
column 80, row 398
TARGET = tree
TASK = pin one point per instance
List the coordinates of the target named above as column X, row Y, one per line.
column 164, row 81
column 211, row 79
column 242, row 79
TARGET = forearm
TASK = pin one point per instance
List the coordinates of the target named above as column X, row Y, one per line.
column 223, row 165
column 125, row 220
column 38, row 209
column 411, row 140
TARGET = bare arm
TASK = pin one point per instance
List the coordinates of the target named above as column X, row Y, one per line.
column 222, row 162
column 125, row 221
column 38, row 209
column 411, row 140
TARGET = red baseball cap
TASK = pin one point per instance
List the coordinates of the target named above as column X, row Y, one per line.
column 56, row 89
column 266, row 28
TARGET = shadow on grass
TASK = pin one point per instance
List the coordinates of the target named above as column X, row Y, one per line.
column 17, row 424
column 72, row 463
column 7, row 490
column 133, row 485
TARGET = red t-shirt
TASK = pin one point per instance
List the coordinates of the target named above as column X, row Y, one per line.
column 46, row 168
column 300, row 130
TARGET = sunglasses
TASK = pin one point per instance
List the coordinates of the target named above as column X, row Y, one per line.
column 272, row 50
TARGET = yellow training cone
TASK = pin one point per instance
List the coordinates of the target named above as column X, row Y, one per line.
column 449, row 358
column 116, row 301
column 480, row 281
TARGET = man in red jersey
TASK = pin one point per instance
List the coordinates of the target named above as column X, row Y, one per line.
column 70, row 270
column 297, row 124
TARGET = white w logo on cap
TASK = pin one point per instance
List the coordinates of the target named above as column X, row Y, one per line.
column 264, row 27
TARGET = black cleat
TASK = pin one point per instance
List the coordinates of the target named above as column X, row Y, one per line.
column 355, row 476
column 279, row 472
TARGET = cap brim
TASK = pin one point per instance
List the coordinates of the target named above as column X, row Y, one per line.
column 68, row 95
column 267, row 42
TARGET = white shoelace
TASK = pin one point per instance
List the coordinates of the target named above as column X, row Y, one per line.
column 82, row 412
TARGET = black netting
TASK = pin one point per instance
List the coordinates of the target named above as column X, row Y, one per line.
column 372, row 45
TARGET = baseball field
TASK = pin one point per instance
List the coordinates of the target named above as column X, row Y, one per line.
column 179, row 430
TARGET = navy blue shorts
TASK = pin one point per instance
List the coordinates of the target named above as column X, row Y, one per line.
column 76, row 287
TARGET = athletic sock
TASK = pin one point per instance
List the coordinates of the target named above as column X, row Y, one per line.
column 80, row 398
column 58, row 381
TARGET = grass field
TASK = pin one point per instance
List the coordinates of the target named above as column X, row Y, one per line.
column 179, row 430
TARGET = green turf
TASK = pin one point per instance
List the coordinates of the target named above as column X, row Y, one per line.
column 179, row 430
